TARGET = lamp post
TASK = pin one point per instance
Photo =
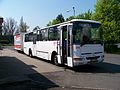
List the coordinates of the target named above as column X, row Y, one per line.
column 1, row 21
column 74, row 11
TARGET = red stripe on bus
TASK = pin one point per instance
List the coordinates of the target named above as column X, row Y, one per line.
column 17, row 46
column 17, row 36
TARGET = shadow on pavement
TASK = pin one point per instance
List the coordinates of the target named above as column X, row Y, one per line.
column 98, row 68
column 12, row 67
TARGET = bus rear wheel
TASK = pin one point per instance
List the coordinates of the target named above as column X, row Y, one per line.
column 30, row 53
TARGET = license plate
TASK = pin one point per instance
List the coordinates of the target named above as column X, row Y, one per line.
column 93, row 61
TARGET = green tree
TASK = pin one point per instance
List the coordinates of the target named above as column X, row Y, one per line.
column 70, row 18
column 87, row 15
column 49, row 24
column 23, row 26
column 9, row 26
column 55, row 21
column 108, row 13
column 59, row 19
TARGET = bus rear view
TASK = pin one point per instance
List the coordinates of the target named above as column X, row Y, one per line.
column 88, row 45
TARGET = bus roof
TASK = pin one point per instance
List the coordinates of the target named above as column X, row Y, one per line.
column 73, row 20
column 83, row 20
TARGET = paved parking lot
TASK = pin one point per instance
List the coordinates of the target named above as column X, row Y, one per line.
column 20, row 72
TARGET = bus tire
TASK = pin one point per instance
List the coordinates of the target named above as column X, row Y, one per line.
column 55, row 60
column 30, row 53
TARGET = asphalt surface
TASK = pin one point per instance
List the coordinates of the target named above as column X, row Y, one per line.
column 20, row 72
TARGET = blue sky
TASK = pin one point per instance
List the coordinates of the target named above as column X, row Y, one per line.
column 40, row 12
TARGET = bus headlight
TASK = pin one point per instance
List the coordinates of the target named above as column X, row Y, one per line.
column 102, row 56
column 81, row 58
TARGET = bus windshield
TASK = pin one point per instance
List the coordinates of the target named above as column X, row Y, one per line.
column 87, row 33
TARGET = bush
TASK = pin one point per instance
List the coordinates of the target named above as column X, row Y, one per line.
column 111, row 48
column 0, row 46
column 4, row 41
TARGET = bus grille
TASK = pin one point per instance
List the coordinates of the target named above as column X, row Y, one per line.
column 92, row 57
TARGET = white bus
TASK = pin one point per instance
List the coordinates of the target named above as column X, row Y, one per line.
column 72, row 43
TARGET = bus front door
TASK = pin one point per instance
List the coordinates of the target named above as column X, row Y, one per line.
column 69, row 46
column 66, row 45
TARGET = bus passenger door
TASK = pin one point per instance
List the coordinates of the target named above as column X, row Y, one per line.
column 66, row 45
column 62, row 51
column 69, row 46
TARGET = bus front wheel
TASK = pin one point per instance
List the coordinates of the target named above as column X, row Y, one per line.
column 55, row 59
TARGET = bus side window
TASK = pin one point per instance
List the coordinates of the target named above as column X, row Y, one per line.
column 29, row 37
column 51, row 34
column 54, row 34
column 44, row 33
column 26, row 37
column 39, row 36
column 34, row 38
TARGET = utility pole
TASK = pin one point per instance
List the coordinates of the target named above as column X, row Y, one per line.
column 74, row 11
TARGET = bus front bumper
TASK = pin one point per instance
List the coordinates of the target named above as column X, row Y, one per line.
column 85, row 61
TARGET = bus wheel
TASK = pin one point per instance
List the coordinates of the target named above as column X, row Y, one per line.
column 30, row 53
column 55, row 59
